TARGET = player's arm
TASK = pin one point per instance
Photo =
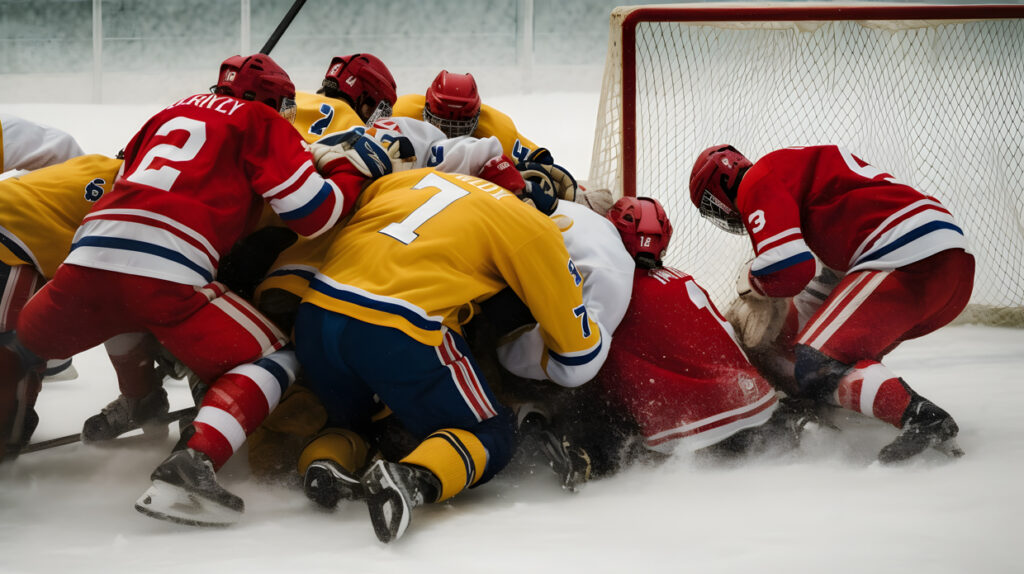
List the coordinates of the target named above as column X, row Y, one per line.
column 783, row 263
column 317, row 187
column 572, row 345
column 28, row 145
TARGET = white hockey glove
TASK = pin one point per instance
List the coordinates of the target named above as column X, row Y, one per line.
column 756, row 318
column 599, row 201
column 564, row 183
column 355, row 147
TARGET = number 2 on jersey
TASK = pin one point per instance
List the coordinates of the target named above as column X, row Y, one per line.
column 165, row 176
column 405, row 230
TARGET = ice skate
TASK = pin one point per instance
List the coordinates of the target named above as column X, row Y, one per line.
column 124, row 414
column 185, row 490
column 327, row 482
column 392, row 491
column 924, row 426
column 570, row 462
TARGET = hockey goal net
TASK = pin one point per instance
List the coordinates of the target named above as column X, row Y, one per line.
column 932, row 94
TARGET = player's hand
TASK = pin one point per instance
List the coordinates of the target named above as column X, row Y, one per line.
column 564, row 183
column 756, row 318
column 354, row 147
column 500, row 170
column 599, row 201
column 540, row 188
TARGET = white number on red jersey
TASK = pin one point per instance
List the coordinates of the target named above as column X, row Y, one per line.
column 165, row 176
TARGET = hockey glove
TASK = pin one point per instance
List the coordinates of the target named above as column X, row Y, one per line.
column 599, row 201
column 354, row 147
column 500, row 170
column 540, row 189
column 564, row 183
column 756, row 317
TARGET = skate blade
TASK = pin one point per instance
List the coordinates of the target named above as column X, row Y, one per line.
column 164, row 501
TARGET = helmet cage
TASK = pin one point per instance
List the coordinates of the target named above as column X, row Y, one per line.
column 451, row 128
column 720, row 214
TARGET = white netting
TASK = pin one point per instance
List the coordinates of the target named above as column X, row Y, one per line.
column 939, row 104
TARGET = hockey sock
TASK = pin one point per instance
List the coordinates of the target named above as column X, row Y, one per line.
column 872, row 389
column 339, row 445
column 456, row 457
column 238, row 402
column 132, row 354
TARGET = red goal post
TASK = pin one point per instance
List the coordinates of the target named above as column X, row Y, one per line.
column 933, row 94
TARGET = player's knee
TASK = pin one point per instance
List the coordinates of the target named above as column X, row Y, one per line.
column 817, row 374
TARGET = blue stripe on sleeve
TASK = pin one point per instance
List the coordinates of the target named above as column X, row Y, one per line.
column 310, row 206
column 576, row 360
column 787, row 262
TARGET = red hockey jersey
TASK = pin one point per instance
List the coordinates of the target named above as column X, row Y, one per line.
column 675, row 365
column 801, row 202
column 194, row 181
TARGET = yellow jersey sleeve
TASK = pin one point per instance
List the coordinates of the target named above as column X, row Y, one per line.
column 495, row 123
column 41, row 210
column 317, row 116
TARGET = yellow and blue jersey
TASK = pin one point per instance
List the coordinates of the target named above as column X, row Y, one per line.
column 317, row 115
column 424, row 247
column 40, row 211
column 491, row 123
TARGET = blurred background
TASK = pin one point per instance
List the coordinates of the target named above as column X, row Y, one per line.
column 152, row 51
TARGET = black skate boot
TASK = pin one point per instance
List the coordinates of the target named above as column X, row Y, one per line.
column 924, row 426
column 124, row 414
column 185, row 490
column 571, row 462
column 327, row 482
column 392, row 491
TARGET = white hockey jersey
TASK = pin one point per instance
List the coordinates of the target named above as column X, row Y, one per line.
column 27, row 145
column 607, row 269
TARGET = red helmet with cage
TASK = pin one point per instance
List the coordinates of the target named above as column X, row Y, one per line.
column 257, row 78
column 362, row 79
column 714, row 181
column 453, row 104
column 644, row 226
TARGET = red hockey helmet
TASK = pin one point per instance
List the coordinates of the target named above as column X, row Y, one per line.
column 453, row 104
column 362, row 79
column 714, row 182
column 644, row 227
column 260, row 79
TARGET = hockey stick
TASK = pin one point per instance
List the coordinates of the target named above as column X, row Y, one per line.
column 169, row 418
column 285, row 22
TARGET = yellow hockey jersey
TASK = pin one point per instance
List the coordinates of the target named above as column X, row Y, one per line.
column 491, row 123
column 40, row 211
column 423, row 247
column 317, row 116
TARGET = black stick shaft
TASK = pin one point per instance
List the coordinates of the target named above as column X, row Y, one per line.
column 285, row 22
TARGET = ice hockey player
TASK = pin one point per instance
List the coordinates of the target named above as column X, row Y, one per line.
column 383, row 318
column 675, row 378
column 357, row 90
column 900, row 258
column 452, row 103
column 145, row 258
column 27, row 145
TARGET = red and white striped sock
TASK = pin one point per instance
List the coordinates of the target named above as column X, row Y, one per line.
column 238, row 402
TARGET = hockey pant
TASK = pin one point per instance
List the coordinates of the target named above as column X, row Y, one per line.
column 438, row 393
column 867, row 315
column 223, row 339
